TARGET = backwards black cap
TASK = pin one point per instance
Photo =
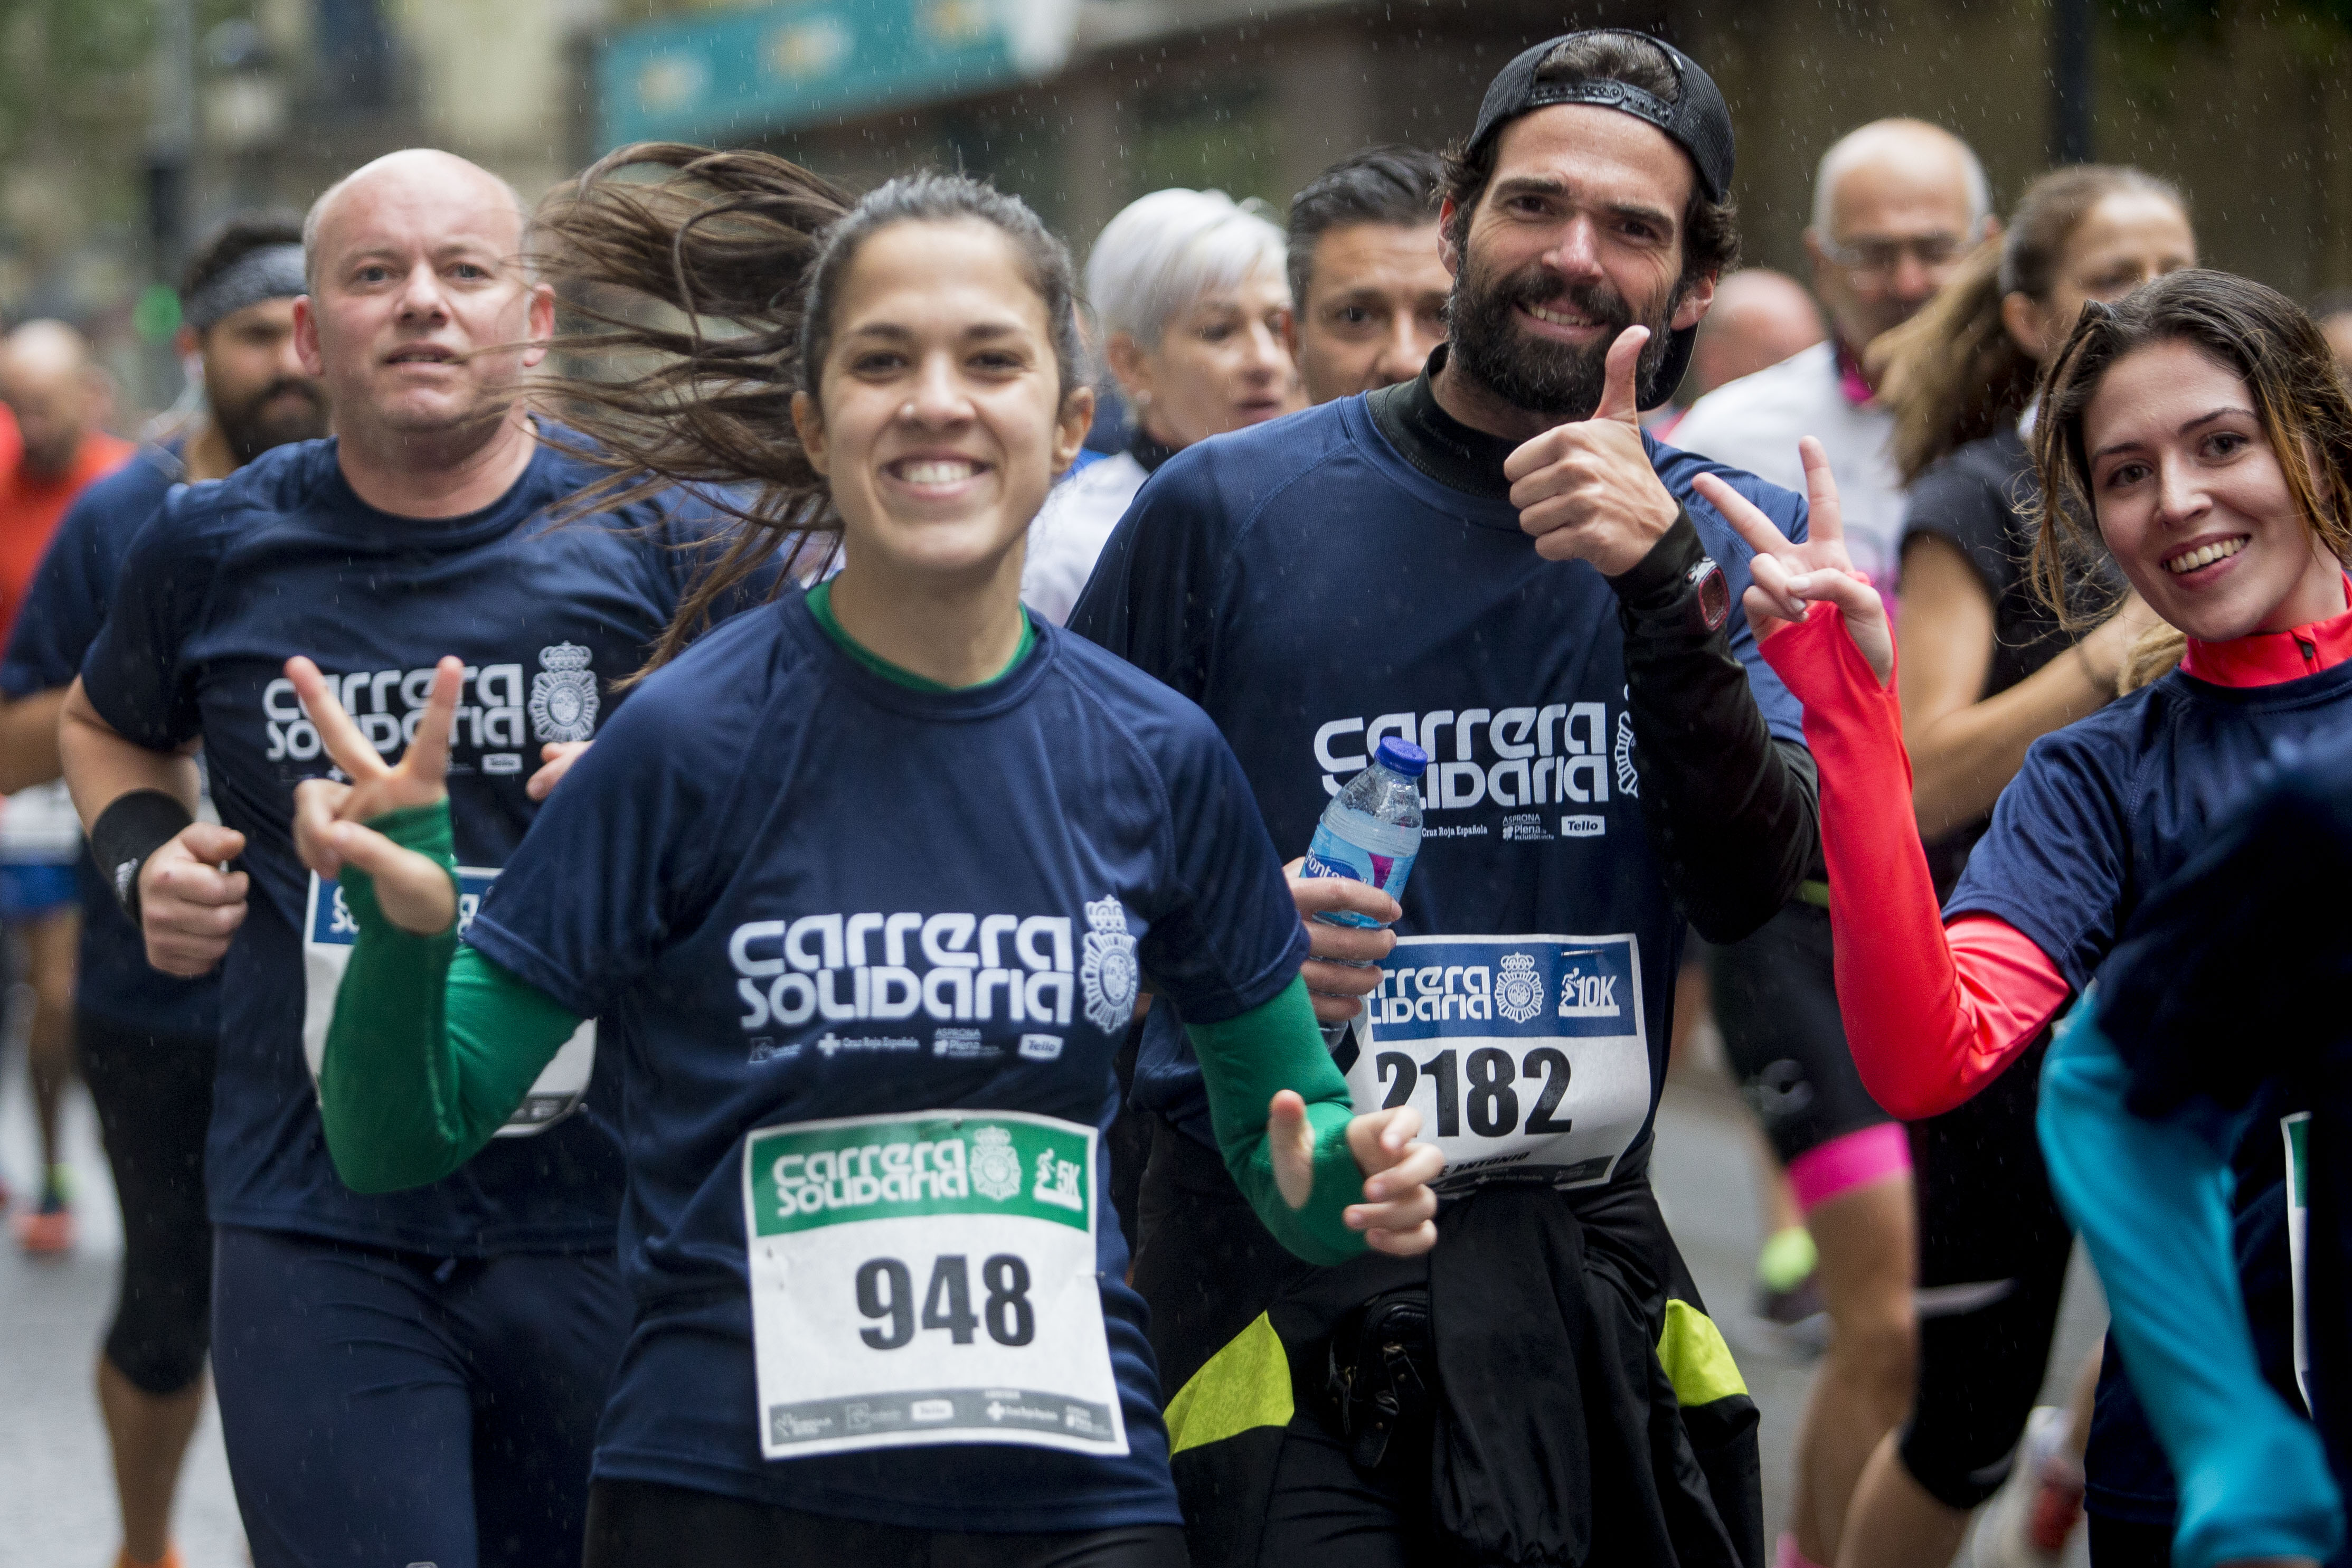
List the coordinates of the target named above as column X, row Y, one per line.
column 1698, row 120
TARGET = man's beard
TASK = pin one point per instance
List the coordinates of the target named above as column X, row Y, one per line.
column 252, row 426
column 1536, row 373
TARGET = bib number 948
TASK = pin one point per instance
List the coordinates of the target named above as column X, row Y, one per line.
column 886, row 1289
column 927, row 1278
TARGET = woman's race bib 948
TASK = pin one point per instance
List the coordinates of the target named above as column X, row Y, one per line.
column 328, row 932
column 927, row 1278
column 1522, row 1053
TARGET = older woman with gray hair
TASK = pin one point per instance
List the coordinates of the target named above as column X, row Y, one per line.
column 1188, row 291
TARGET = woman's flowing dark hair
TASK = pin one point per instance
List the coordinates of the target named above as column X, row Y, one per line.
column 1952, row 374
column 2262, row 337
column 701, row 287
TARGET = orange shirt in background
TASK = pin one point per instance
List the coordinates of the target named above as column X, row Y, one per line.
column 31, row 508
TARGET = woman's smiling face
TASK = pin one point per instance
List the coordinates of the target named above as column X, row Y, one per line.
column 940, row 422
column 2193, row 504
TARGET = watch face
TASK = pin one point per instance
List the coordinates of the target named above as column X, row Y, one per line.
column 1711, row 593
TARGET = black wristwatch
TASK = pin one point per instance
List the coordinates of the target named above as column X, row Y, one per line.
column 1708, row 604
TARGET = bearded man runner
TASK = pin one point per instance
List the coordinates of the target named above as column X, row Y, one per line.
column 1494, row 562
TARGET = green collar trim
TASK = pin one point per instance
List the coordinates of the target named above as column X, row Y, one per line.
column 820, row 604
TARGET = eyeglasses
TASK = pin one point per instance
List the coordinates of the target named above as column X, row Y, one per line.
column 1880, row 257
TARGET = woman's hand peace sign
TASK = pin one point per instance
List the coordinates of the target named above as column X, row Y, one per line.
column 1787, row 577
column 414, row 893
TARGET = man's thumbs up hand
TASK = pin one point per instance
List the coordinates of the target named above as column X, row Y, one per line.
column 1586, row 490
column 1620, row 400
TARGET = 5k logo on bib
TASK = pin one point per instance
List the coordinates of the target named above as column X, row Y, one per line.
column 1108, row 972
column 563, row 699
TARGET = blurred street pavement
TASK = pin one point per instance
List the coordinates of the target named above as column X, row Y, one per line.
column 57, row 1502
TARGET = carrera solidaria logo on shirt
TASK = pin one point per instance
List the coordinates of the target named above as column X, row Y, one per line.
column 953, row 968
column 493, row 704
column 818, row 1173
column 1559, row 754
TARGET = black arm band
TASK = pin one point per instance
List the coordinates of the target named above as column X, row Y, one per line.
column 127, row 832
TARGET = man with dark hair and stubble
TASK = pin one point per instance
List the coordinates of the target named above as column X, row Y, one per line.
column 1493, row 563
column 59, row 400
column 1367, row 289
column 144, row 1039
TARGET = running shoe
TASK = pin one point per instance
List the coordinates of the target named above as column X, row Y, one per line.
column 2035, row 1512
column 48, row 1230
column 171, row 1559
column 1786, row 1296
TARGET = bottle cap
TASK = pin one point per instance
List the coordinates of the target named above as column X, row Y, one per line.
column 1402, row 756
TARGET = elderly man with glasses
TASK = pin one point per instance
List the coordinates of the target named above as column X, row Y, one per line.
column 1896, row 203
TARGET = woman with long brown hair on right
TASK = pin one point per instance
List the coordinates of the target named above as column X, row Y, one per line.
column 2198, row 436
column 1986, row 669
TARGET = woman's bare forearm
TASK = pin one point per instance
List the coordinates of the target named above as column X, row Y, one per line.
column 1961, row 761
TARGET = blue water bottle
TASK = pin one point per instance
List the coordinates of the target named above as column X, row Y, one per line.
column 1370, row 833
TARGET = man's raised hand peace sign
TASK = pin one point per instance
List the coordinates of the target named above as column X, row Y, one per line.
column 415, row 894
column 1790, row 576
column 1586, row 490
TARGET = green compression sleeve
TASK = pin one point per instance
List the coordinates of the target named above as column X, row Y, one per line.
column 432, row 1046
column 1244, row 1061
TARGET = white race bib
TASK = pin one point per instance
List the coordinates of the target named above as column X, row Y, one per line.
column 928, row 1277
column 328, row 932
column 1520, row 1052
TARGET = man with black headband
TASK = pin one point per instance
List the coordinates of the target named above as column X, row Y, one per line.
column 144, row 1039
column 1492, row 562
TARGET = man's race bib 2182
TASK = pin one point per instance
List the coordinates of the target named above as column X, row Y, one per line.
column 328, row 932
column 928, row 1277
column 1522, row 1053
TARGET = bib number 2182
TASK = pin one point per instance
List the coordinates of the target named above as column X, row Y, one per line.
column 1525, row 1055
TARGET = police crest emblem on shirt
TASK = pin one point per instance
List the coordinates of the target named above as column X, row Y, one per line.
column 995, row 1167
column 1108, row 971
column 1628, row 780
column 564, row 699
column 1519, row 994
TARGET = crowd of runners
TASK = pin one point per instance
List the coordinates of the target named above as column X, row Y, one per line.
column 692, row 946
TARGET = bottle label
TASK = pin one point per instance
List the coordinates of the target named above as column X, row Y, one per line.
column 1331, row 855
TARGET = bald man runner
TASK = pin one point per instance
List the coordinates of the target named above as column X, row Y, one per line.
column 57, row 398
column 411, row 1377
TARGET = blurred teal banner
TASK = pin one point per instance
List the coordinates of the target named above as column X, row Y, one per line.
column 738, row 74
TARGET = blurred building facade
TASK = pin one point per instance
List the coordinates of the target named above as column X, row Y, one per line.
column 2250, row 108
column 1081, row 105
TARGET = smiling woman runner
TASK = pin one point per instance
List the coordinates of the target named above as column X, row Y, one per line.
column 2198, row 433
column 866, row 884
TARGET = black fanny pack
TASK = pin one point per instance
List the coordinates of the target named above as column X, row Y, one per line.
column 1384, row 1373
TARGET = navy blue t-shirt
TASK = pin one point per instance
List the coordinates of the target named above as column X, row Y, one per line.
column 283, row 558
column 2107, row 809
column 1316, row 593
column 767, row 798
column 62, row 613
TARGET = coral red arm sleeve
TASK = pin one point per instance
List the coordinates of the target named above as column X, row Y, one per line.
column 1932, row 1015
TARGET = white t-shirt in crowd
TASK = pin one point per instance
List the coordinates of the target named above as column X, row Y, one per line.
column 1754, row 423
column 1070, row 529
